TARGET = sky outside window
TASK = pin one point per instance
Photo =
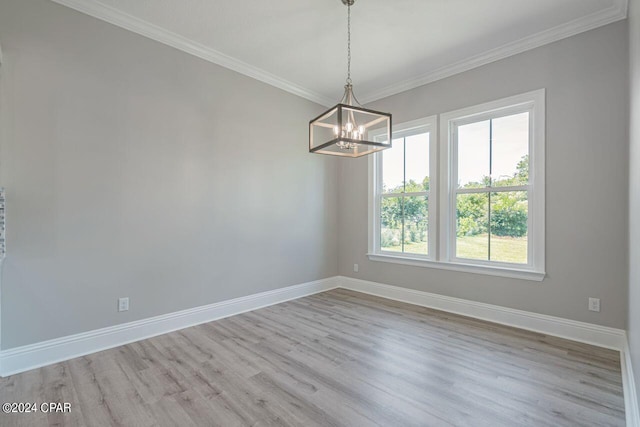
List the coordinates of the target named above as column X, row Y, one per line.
column 414, row 150
column 476, row 155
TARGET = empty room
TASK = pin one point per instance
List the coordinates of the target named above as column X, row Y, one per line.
column 319, row 213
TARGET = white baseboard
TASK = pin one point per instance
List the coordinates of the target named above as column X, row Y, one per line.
column 630, row 391
column 44, row 353
column 588, row 333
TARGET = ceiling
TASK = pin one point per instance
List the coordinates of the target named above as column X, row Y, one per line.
column 300, row 45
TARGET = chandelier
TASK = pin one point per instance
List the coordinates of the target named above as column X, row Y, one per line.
column 348, row 129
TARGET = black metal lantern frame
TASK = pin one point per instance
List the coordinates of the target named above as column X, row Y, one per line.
column 348, row 129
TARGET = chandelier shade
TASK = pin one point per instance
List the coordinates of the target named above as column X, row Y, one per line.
column 348, row 129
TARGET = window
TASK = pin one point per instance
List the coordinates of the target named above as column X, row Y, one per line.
column 404, row 191
column 488, row 209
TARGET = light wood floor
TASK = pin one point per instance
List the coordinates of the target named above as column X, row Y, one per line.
column 338, row 358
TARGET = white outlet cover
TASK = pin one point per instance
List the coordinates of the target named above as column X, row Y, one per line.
column 123, row 304
column 594, row 304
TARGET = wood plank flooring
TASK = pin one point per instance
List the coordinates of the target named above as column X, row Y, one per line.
column 338, row 358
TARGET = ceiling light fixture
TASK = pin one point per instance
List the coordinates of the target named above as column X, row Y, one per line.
column 348, row 129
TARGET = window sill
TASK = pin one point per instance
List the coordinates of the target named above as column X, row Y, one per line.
column 536, row 276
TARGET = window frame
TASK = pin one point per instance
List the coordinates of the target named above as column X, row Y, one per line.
column 404, row 130
column 442, row 207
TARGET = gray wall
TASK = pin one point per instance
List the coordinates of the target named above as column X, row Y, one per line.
column 634, row 189
column 586, row 195
column 133, row 169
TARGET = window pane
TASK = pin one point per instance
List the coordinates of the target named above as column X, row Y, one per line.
column 510, row 150
column 391, row 224
column 473, row 155
column 509, row 215
column 472, row 239
column 393, row 167
column 417, row 163
column 416, row 225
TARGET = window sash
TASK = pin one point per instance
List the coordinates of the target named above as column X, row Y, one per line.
column 492, row 189
column 454, row 233
column 404, row 196
column 420, row 193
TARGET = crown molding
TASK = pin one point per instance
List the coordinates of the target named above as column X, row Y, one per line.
column 111, row 15
column 603, row 17
column 128, row 22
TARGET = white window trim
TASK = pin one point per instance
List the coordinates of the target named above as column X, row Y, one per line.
column 534, row 102
column 442, row 220
column 458, row 266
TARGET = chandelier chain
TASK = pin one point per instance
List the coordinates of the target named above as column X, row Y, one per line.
column 349, row 43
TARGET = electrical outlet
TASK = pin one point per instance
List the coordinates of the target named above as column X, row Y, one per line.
column 123, row 304
column 594, row 304
column 355, row 268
